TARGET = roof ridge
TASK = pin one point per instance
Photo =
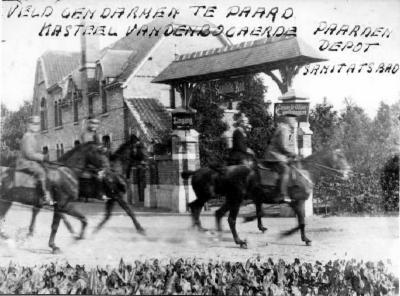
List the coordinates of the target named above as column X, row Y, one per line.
column 230, row 48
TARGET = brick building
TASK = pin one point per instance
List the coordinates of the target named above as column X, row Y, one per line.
column 112, row 84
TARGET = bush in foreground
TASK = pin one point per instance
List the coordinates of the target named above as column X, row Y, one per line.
column 254, row 277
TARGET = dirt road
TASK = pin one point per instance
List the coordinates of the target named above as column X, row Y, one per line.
column 170, row 235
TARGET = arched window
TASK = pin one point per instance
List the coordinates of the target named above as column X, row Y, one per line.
column 90, row 100
column 106, row 141
column 75, row 106
column 62, row 150
column 103, row 96
column 43, row 114
column 59, row 113
column 58, row 151
column 55, row 114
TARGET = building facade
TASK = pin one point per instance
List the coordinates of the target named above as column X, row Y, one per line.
column 112, row 84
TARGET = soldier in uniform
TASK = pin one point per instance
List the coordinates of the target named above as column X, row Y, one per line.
column 31, row 158
column 90, row 134
column 279, row 152
column 240, row 153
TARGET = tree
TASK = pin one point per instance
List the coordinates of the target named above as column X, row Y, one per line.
column 324, row 124
column 209, row 124
column 14, row 126
column 353, row 135
column 254, row 107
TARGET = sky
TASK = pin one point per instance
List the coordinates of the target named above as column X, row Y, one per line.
column 21, row 46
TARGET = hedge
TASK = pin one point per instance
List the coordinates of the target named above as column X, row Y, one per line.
column 189, row 276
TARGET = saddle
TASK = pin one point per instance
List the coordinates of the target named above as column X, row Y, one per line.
column 269, row 175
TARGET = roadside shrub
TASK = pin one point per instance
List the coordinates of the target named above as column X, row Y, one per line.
column 253, row 277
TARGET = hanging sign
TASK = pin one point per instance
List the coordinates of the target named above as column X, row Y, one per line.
column 301, row 110
column 182, row 120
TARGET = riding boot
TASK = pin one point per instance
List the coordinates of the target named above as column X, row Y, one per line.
column 47, row 198
column 284, row 188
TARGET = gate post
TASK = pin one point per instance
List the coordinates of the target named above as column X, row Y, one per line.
column 301, row 141
column 185, row 151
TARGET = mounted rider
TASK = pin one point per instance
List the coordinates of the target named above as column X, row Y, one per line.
column 279, row 152
column 90, row 135
column 31, row 158
column 240, row 153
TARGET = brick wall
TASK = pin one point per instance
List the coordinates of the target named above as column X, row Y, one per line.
column 111, row 122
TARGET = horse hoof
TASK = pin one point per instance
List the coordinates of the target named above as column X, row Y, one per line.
column 263, row 229
column 308, row 243
column 141, row 231
column 30, row 234
column 243, row 244
column 78, row 238
column 56, row 250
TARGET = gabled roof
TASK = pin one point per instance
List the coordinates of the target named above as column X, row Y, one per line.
column 151, row 116
column 113, row 62
column 119, row 59
column 58, row 64
column 238, row 59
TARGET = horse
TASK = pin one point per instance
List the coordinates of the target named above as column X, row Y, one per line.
column 239, row 182
column 63, row 184
column 114, row 183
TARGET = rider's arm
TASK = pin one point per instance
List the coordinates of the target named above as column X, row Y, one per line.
column 284, row 142
column 28, row 150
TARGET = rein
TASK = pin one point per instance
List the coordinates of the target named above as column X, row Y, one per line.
column 332, row 170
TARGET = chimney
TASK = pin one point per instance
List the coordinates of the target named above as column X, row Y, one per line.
column 90, row 54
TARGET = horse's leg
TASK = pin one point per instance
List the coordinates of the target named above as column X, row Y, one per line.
column 35, row 211
column 195, row 209
column 54, row 228
column 109, row 206
column 67, row 224
column 4, row 207
column 69, row 209
column 234, row 211
column 128, row 209
column 219, row 214
column 299, row 208
column 260, row 214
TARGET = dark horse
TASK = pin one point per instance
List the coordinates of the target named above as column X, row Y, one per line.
column 114, row 183
column 63, row 183
column 239, row 182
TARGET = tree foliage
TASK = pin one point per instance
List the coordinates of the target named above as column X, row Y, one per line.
column 369, row 145
column 209, row 124
column 324, row 124
column 256, row 109
column 14, row 126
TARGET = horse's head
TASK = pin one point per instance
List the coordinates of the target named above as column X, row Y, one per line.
column 337, row 161
column 84, row 155
column 131, row 152
column 138, row 152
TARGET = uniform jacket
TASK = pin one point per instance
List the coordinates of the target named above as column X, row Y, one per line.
column 239, row 152
column 31, row 152
column 278, row 149
column 89, row 136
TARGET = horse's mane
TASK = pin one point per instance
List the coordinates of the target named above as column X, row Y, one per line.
column 119, row 151
column 78, row 148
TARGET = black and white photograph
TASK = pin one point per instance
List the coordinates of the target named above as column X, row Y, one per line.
column 200, row 147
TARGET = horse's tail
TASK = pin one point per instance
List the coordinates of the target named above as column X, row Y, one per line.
column 187, row 174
